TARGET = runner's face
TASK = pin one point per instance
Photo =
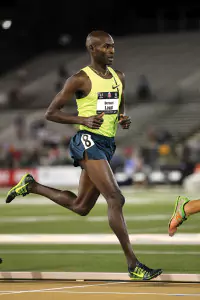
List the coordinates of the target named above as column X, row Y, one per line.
column 104, row 51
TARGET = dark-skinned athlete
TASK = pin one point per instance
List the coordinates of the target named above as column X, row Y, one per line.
column 99, row 92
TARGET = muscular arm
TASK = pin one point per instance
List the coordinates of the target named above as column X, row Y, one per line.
column 122, row 104
column 76, row 84
column 54, row 112
column 124, row 120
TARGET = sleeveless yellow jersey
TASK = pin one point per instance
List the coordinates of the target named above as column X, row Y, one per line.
column 105, row 96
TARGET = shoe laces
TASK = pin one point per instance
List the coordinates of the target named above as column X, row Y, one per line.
column 23, row 190
column 143, row 268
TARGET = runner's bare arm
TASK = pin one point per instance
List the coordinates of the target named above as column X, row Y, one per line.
column 77, row 83
column 122, row 104
column 54, row 112
column 124, row 120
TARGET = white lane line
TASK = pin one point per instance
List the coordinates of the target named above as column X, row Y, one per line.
column 160, row 229
column 58, row 218
column 41, row 219
column 59, row 288
column 103, row 239
column 96, row 219
column 143, row 200
column 144, row 218
column 129, row 293
column 91, row 252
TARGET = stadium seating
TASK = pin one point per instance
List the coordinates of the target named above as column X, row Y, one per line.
column 170, row 62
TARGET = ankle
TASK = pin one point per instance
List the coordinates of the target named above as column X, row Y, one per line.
column 186, row 209
column 31, row 187
column 132, row 265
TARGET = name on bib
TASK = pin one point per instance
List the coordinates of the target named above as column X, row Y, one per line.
column 108, row 102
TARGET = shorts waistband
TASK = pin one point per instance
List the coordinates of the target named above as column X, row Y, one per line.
column 99, row 136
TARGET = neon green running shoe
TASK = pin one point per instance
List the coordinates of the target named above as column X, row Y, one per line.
column 178, row 216
column 21, row 189
column 142, row 272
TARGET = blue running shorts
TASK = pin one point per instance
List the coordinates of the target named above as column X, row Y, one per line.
column 97, row 146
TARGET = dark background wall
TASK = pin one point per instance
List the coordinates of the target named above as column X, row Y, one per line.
column 37, row 25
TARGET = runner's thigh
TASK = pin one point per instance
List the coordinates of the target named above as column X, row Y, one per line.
column 87, row 192
column 100, row 173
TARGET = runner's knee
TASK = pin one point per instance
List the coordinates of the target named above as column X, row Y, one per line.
column 81, row 210
column 116, row 199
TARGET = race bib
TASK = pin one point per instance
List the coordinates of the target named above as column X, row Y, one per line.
column 108, row 102
column 87, row 141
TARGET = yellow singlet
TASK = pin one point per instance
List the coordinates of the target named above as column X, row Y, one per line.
column 105, row 96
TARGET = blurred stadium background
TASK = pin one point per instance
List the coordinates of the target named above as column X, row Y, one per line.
column 156, row 160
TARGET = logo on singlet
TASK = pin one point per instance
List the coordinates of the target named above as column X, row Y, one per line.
column 115, row 86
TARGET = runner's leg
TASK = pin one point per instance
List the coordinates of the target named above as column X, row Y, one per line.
column 80, row 204
column 102, row 176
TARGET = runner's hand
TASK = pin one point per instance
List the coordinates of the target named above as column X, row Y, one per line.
column 124, row 121
column 94, row 122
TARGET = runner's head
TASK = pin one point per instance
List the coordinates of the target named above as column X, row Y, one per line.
column 100, row 45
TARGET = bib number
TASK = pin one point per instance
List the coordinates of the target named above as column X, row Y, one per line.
column 87, row 141
column 107, row 102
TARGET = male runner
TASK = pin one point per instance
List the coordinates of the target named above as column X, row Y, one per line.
column 99, row 92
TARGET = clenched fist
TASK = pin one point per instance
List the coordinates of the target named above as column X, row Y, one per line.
column 124, row 121
column 94, row 122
